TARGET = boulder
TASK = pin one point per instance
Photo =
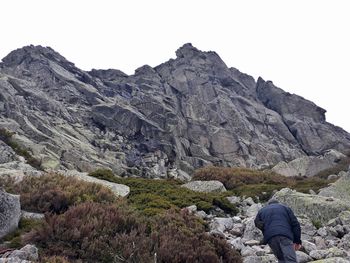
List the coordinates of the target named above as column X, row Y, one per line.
column 247, row 251
column 317, row 208
column 308, row 165
column 28, row 253
column 17, row 170
column 339, row 189
column 308, row 246
column 236, row 243
column 30, row 215
column 6, row 153
column 221, row 224
column 192, row 209
column 308, row 230
column 205, row 186
column 303, row 257
column 234, row 199
column 250, row 231
column 10, row 212
column 117, row 189
column 251, row 211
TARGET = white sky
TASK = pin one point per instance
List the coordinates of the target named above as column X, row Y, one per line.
column 303, row 46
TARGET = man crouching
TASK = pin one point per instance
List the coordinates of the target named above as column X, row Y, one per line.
column 281, row 230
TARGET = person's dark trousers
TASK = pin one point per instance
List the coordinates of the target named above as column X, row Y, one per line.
column 283, row 249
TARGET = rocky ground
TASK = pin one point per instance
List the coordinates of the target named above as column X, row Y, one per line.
column 324, row 218
column 325, row 224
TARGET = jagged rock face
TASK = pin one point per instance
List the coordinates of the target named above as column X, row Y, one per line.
column 186, row 113
column 305, row 120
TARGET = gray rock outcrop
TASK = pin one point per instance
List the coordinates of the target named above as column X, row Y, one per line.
column 317, row 208
column 205, row 186
column 186, row 113
column 10, row 212
column 26, row 254
column 6, row 153
column 339, row 189
column 308, row 165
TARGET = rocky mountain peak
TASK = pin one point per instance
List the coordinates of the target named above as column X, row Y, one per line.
column 186, row 113
column 187, row 51
column 30, row 53
column 197, row 57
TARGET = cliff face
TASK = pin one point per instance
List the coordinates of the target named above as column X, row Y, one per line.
column 188, row 112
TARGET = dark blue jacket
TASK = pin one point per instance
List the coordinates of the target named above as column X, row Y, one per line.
column 278, row 220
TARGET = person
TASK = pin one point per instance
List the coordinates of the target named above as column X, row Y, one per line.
column 281, row 230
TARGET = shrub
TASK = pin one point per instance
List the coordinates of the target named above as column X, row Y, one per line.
column 95, row 232
column 235, row 177
column 182, row 238
column 225, row 205
column 55, row 193
column 105, row 174
column 317, row 224
column 156, row 196
column 255, row 183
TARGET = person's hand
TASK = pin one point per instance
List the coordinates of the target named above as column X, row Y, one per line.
column 297, row 247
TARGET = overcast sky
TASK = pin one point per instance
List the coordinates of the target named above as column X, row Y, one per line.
column 302, row 46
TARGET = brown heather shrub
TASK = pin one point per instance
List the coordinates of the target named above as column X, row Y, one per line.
column 235, row 177
column 55, row 193
column 93, row 232
column 182, row 238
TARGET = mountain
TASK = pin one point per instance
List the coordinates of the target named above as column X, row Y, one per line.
column 186, row 113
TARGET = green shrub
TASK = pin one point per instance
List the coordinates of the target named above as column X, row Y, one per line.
column 55, row 193
column 317, row 224
column 104, row 174
column 156, row 196
column 225, row 205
